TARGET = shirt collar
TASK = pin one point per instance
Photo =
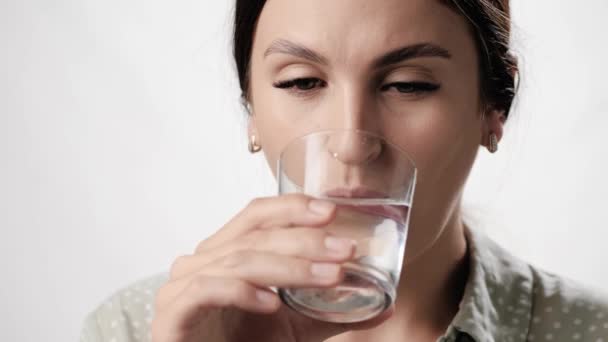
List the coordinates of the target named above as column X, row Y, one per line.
column 497, row 301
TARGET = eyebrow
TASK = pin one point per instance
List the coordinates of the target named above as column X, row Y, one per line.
column 410, row 52
column 290, row 48
column 420, row 50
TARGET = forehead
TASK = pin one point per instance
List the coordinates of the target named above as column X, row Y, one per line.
column 348, row 30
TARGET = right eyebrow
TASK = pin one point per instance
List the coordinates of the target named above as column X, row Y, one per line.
column 287, row 47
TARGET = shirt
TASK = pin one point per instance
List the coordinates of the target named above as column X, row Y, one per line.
column 505, row 300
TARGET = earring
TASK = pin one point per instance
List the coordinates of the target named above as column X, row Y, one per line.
column 493, row 146
column 253, row 145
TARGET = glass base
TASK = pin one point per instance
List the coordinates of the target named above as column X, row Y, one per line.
column 364, row 293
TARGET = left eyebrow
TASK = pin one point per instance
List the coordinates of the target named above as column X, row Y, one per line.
column 410, row 52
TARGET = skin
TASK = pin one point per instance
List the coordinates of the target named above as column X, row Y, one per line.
column 441, row 130
column 219, row 293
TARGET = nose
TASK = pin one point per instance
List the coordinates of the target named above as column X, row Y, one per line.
column 354, row 147
column 356, row 119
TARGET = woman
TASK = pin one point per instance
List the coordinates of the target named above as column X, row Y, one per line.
column 434, row 77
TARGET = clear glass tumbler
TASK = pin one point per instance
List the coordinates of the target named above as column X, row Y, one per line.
column 372, row 183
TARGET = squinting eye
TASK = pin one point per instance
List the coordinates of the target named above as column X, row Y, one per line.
column 411, row 87
column 300, row 84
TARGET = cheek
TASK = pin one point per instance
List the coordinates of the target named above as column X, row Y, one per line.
column 276, row 132
column 435, row 134
column 442, row 137
column 451, row 128
column 440, row 145
column 443, row 144
column 278, row 121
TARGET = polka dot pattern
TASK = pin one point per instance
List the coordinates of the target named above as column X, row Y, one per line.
column 505, row 300
column 125, row 316
column 567, row 310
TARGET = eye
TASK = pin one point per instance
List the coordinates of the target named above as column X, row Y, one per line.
column 411, row 87
column 301, row 85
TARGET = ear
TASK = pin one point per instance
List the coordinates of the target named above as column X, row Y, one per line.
column 493, row 122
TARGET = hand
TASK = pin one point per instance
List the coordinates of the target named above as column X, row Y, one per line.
column 221, row 292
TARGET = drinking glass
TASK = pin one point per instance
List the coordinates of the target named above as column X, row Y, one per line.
column 372, row 183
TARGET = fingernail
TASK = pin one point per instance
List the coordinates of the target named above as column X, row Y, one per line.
column 339, row 245
column 321, row 207
column 264, row 296
column 322, row 270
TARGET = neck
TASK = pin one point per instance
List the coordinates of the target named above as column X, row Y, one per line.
column 432, row 285
column 429, row 291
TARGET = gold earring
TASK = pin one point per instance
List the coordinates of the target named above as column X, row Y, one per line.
column 253, row 145
column 493, row 146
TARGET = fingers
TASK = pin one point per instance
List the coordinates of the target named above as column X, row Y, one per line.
column 204, row 292
column 269, row 269
column 253, row 252
column 261, row 269
column 271, row 212
column 307, row 243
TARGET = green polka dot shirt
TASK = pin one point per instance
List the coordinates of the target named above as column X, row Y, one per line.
column 505, row 300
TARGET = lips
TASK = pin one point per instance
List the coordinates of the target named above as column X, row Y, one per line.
column 394, row 212
column 359, row 192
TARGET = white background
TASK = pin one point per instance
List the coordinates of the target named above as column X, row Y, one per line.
column 122, row 145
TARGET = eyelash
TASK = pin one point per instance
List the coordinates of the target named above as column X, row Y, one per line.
column 298, row 85
column 302, row 86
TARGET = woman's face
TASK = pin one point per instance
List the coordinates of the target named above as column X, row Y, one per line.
column 403, row 69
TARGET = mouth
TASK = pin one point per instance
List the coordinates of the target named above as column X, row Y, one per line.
column 358, row 192
column 392, row 211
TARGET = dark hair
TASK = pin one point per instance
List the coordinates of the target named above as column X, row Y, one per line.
column 490, row 21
